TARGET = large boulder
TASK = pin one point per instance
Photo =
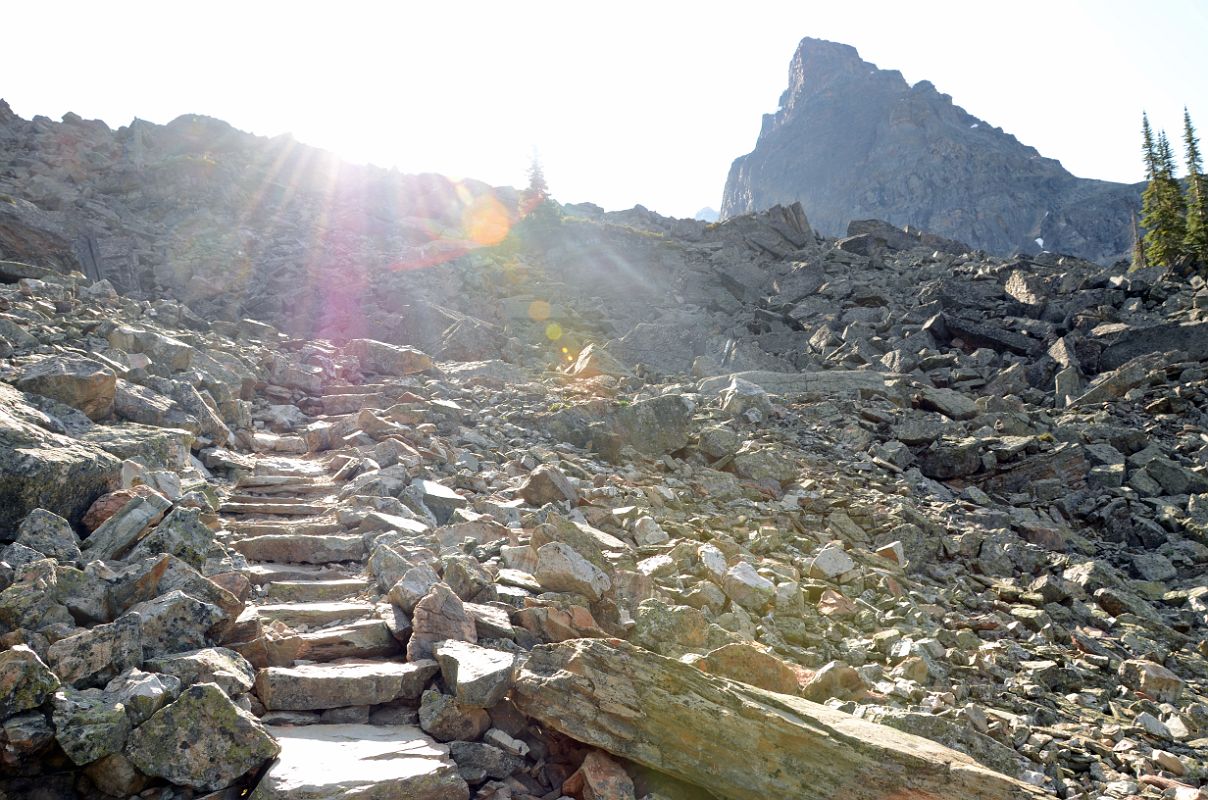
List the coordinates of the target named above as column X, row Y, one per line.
column 41, row 469
column 72, row 380
column 388, row 359
column 673, row 718
column 25, row 682
column 203, row 740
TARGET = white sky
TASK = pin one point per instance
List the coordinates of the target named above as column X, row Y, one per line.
column 626, row 102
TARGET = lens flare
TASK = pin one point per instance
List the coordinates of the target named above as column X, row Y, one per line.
column 539, row 311
column 486, row 221
column 553, row 331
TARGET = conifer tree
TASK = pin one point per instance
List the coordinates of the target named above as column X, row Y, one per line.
column 1162, row 206
column 1195, row 239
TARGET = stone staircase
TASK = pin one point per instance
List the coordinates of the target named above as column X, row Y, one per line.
column 336, row 690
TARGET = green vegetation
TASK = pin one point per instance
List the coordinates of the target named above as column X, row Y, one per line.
column 1175, row 220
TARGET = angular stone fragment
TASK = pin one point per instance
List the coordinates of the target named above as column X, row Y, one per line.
column 50, row 535
column 560, row 568
column 479, row 676
column 203, row 740
column 143, row 693
column 438, row 616
column 831, row 562
column 89, row 724
column 40, row 469
column 336, row 762
column 118, row 533
column 181, row 534
column 388, row 359
column 673, row 718
column 25, row 682
column 310, row 687
column 747, row 663
column 411, row 588
column 175, row 622
column 547, row 484
column 446, row 719
column 72, row 380
column 225, row 668
column 746, row 587
column 95, row 655
column 1153, row 679
column 599, row 778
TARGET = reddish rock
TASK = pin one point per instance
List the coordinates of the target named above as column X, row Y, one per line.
column 599, row 778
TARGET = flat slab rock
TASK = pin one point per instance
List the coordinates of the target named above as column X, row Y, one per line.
column 736, row 740
column 368, row 762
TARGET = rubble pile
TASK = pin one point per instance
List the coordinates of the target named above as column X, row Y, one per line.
column 667, row 508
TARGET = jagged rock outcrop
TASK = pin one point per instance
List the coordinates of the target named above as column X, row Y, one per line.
column 851, row 141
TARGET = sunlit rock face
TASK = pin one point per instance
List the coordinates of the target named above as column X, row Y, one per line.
column 232, row 224
column 851, row 141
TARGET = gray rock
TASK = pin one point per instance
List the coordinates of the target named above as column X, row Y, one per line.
column 479, row 676
column 118, row 533
column 96, row 655
column 25, row 681
column 443, row 718
column 50, row 535
column 440, row 615
column 225, row 668
column 202, row 740
column 174, row 623
column 560, row 568
column 89, row 724
column 72, row 380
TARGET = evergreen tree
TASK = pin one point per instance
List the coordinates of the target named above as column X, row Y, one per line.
column 1162, row 206
column 1195, row 240
column 538, row 190
column 1138, row 246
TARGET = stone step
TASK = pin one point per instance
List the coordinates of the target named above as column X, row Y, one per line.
column 354, row 682
column 275, row 465
column 366, row 638
column 272, row 508
column 325, row 762
column 351, row 403
column 274, row 480
column 299, row 528
column 315, row 614
column 308, row 591
column 361, row 388
column 270, row 573
column 272, row 501
column 292, row 549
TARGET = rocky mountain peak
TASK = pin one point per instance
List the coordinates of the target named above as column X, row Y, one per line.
column 851, row 140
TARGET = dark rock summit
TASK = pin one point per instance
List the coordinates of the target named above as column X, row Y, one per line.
column 851, row 141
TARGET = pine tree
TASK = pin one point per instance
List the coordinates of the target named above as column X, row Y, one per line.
column 1195, row 239
column 538, row 190
column 1138, row 246
column 1162, row 206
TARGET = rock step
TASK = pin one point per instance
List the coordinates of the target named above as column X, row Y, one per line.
column 279, row 509
column 312, row 528
column 290, row 489
column 293, row 549
column 311, row 591
column 353, row 682
column 318, row 613
column 295, row 467
column 275, row 480
column 274, row 501
column 366, row 638
column 318, row 762
column 271, row 573
column 350, row 403
column 363, row 388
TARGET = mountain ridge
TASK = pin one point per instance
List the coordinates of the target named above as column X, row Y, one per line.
column 850, row 140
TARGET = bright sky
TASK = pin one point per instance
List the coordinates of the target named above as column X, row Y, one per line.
column 626, row 102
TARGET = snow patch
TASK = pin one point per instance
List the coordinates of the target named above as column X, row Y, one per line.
column 974, row 125
column 1039, row 242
